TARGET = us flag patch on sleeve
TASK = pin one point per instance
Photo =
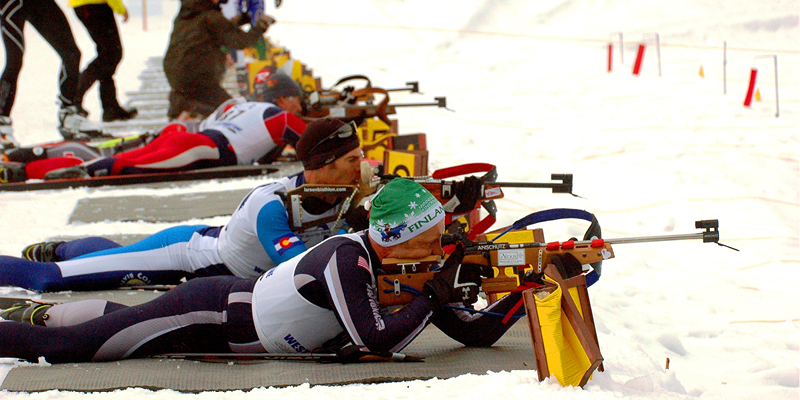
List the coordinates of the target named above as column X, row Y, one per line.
column 282, row 245
column 363, row 263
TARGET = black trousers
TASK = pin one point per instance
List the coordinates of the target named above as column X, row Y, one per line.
column 48, row 19
column 200, row 98
column 102, row 27
column 212, row 315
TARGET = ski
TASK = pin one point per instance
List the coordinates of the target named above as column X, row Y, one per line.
column 11, row 301
column 8, row 302
column 122, row 180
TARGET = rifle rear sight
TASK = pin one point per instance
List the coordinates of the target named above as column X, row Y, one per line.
column 711, row 227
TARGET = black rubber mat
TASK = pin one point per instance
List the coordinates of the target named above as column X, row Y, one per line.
column 174, row 208
column 444, row 358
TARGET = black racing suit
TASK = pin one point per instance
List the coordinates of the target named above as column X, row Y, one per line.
column 48, row 19
column 216, row 314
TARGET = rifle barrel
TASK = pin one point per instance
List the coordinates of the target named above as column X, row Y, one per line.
column 412, row 87
column 441, row 102
column 660, row 238
column 526, row 184
column 709, row 235
column 705, row 236
column 415, row 105
column 565, row 186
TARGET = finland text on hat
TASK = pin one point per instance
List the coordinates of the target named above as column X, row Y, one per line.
column 402, row 210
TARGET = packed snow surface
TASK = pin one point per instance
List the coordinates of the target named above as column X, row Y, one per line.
column 528, row 90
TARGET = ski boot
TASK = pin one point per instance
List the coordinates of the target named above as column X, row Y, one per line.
column 75, row 126
column 7, row 140
column 77, row 171
column 42, row 252
column 12, row 172
column 28, row 312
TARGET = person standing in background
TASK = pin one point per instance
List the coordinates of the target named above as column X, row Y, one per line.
column 48, row 19
column 195, row 62
column 98, row 18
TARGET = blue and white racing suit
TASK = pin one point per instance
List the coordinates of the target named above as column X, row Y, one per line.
column 257, row 238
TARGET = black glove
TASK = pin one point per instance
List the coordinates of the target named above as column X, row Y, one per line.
column 567, row 265
column 456, row 282
column 263, row 22
column 241, row 19
column 290, row 137
column 357, row 218
column 468, row 193
column 533, row 277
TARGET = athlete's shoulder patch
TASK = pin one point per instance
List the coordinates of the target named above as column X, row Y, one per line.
column 283, row 244
column 363, row 263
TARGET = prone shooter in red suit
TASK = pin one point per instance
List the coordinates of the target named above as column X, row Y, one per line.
column 238, row 133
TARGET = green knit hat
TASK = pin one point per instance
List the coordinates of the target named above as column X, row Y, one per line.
column 402, row 210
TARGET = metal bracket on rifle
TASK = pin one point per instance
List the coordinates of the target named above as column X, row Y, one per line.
column 411, row 266
column 440, row 102
column 412, row 87
column 565, row 186
column 566, row 183
column 711, row 233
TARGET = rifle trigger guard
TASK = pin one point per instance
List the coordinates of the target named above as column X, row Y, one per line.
column 397, row 287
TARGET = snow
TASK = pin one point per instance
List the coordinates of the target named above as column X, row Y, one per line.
column 528, row 85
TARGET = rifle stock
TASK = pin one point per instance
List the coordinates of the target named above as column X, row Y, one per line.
column 402, row 286
column 517, row 256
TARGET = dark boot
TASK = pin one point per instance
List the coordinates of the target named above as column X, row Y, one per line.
column 108, row 99
column 119, row 114
column 12, row 172
column 42, row 252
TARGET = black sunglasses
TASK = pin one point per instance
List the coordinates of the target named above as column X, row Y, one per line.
column 344, row 131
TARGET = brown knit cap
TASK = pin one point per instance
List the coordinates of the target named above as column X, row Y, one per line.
column 329, row 149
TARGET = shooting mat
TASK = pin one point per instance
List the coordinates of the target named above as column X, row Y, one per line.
column 173, row 208
column 444, row 358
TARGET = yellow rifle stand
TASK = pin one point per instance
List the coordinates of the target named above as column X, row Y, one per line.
column 562, row 329
column 405, row 162
column 267, row 54
column 374, row 135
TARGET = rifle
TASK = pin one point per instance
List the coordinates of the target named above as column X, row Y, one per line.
column 351, row 195
column 490, row 190
column 351, row 104
column 400, row 288
column 346, row 355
